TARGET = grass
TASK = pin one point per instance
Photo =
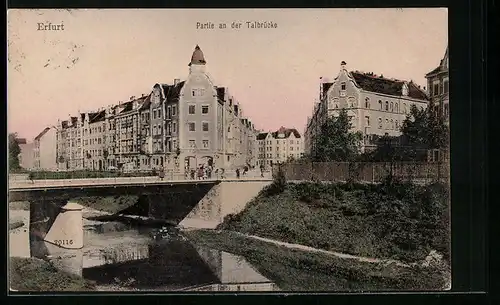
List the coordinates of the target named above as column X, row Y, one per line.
column 295, row 270
column 397, row 221
column 32, row 274
column 19, row 205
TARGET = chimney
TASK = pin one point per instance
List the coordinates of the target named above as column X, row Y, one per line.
column 132, row 97
column 142, row 94
column 176, row 81
column 343, row 66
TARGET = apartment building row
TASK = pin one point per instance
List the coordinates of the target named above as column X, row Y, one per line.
column 376, row 105
column 176, row 126
column 279, row 146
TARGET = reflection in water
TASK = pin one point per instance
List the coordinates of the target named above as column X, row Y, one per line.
column 119, row 257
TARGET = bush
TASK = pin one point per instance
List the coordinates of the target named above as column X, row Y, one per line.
column 397, row 220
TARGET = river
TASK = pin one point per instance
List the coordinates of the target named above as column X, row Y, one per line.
column 123, row 257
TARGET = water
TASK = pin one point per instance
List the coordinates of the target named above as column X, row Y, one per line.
column 122, row 257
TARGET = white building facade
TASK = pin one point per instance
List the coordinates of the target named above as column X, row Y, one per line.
column 376, row 105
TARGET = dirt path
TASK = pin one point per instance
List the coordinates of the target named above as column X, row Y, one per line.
column 337, row 254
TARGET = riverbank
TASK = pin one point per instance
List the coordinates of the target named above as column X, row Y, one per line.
column 33, row 274
column 299, row 270
column 401, row 221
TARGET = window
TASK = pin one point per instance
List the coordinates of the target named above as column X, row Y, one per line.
column 435, row 90
column 367, row 121
column 386, row 123
column 174, row 110
column 386, row 106
column 392, row 106
column 192, row 143
column 205, row 126
column 392, row 124
column 192, row 126
column 169, row 114
column 204, row 109
column 174, row 127
column 154, row 114
column 380, row 104
column 397, row 125
column 396, row 107
column 404, row 108
column 342, row 86
column 192, row 109
column 174, row 144
column 367, row 103
column 445, row 86
column 205, row 144
column 445, row 110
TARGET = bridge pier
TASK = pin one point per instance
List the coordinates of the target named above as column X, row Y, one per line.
column 57, row 222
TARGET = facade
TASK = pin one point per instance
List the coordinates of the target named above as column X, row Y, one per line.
column 94, row 140
column 70, row 143
column 178, row 127
column 438, row 88
column 26, row 157
column 45, row 150
column 376, row 105
column 279, row 146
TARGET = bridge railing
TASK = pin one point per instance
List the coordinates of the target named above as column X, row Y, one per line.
column 173, row 177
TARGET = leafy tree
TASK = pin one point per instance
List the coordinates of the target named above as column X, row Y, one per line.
column 336, row 142
column 14, row 151
column 424, row 129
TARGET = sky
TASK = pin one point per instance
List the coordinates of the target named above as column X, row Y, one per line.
column 103, row 57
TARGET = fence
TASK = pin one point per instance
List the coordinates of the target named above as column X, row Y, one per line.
column 371, row 172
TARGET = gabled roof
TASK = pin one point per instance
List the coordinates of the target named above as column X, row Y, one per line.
column 380, row 84
column 74, row 120
column 64, row 124
column 146, row 104
column 262, row 135
column 40, row 135
column 174, row 91
column 221, row 92
column 286, row 131
column 21, row 141
column 325, row 87
column 97, row 117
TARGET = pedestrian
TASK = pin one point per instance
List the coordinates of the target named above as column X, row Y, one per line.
column 192, row 173
column 209, row 172
column 245, row 170
column 222, row 173
column 161, row 174
column 237, row 173
column 200, row 173
column 262, row 170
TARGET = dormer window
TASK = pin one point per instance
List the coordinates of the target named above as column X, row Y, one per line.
column 342, row 86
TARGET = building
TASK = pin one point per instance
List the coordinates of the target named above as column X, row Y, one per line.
column 26, row 157
column 127, row 133
column 45, row 150
column 438, row 88
column 376, row 105
column 70, row 143
column 279, row 146
column 178, row 127
column 94, row 140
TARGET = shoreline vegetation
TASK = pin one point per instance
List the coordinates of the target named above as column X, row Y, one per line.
column 299, row 270
column 33, row 274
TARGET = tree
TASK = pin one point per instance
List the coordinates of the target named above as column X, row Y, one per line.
column 336, row 142
column 14, row 151
column 424, row 129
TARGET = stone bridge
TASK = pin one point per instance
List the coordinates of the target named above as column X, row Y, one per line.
column 200, row 203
